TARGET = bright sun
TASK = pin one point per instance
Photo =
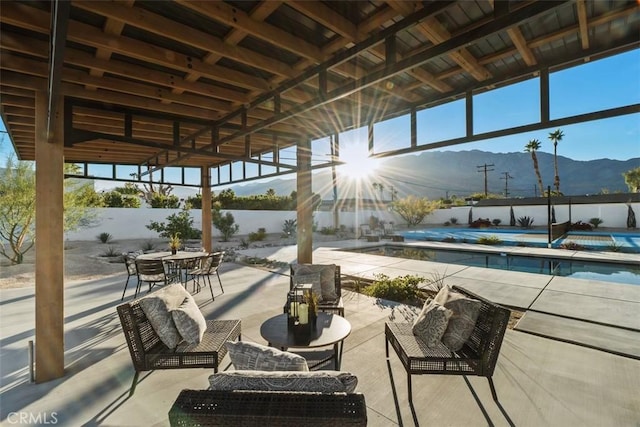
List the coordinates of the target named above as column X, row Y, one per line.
column 357, row 164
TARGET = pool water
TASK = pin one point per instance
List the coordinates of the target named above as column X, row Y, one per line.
column 606, row 272
column 595, row 240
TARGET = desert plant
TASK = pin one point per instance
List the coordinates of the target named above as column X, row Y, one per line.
column 614, row 247
column 595, row 222
column 328, row 231
column 401, row 289
column 496, row 221
column 413, row 209
column 226, row 224
column 525, row 222
column 259, row 235
column 582, row 226
column 453, row 220
column 110, row 252
column 480, row 223
column 489, row 240
column 573, row 246
column 148, row 245
column 105, row 237
column 290, row 227
column 436, row 281
column 447, row 223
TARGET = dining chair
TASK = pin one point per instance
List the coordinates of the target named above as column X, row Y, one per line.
column 132, row 270
column 151, row 271
column 208, row 265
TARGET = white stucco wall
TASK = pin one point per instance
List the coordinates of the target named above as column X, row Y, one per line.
column 123, row 223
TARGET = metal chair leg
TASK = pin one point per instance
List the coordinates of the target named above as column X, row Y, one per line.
column 134, row 383
column 210, row 287
column 125, row 288
column 220, row 281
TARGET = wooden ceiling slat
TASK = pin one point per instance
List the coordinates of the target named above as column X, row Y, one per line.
column 146, row 59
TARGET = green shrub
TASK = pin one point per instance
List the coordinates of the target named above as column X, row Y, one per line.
column 105, row 237
column 328, row 231
column 401, row 289
column 453, row 220
column 525, row 222
column 489, row 240
column 259, row 235
column 290, row 227
column 595, row 222
column 180, row 223
column 226, row 224
column 496, row 221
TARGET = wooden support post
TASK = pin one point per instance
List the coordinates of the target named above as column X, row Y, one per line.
column 49, row 243
column 304, row 203
column 205, row 182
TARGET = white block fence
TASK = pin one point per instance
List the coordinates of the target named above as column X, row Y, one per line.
column 126, row 223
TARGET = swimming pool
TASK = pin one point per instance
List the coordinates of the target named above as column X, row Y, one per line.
column 595, row 240
column 578, row 269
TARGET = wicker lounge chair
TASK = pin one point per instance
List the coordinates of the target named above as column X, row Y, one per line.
column 368, row 233
column 336, row 306
column 265, row 408
column 148, row 352
column 478, row 356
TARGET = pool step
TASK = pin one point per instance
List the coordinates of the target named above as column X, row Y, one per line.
column 614, row 340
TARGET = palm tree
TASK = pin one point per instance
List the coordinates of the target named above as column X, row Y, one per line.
column 556, row 137
column 532, row 147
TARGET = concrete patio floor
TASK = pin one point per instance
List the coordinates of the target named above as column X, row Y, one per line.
column 539, row 381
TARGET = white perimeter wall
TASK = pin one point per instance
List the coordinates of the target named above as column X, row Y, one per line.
column 126, row 223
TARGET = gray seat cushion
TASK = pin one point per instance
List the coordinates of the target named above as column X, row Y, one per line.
column 318, row 381
column 251, row 356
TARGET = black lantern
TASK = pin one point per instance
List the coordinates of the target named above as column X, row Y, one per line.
column 298, row 312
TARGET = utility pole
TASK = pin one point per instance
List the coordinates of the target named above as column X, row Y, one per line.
column 484, row 168
column 506, row 183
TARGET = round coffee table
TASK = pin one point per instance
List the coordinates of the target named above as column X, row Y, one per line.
column 331, row 329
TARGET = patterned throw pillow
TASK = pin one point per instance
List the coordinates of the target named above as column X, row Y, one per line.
column 462, row 321
column 431, row 323
column 317, row 381
column 189, row 321
column 327, row 278
column 314, row 279
column 256, row 357
column 157, row 306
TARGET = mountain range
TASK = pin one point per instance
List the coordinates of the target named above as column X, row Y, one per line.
column 437, row 174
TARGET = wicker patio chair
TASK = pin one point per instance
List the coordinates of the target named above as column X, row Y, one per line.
column 478, row 356
column 149, row 353
column 336, row 306
column 208, row 265
column 130, row 265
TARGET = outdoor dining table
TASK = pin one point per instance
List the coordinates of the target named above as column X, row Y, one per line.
column 182, row 260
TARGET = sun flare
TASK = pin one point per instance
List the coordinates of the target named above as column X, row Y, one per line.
column 357, row 165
